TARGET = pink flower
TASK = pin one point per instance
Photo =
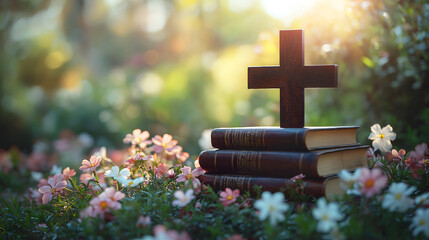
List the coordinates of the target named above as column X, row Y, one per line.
column 188, row 175
column 161, row 170
column 182, row 156
column 143, row 221
column 420, row 152
column 91, row 165
column 68, row 173
column 88, row 212
column 228, row 196
column 112, row 194
column 165, row 143
column 106, row 201
column 171, row 174
column 35, row 195
column 371, row 181
column 298, row 177
column 161, row 232
column 138, row 138
column 56, row 184
column 236, row 237
column 5, row 162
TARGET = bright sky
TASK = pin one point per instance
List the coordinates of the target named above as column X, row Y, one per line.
column 287, row 10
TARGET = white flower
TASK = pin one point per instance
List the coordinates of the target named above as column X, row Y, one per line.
column 422, row 199
column 396, row 198
column 327, row 214
column 205, row 139
column 182, row 199
column 421, row 222
column 382, row 137
column 118, row 175
column 131, row 182
column 271, row 206
column 55, row 170
column 349, row 181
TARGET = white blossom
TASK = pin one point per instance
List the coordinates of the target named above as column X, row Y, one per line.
column 118, row 175
column 327, row 215
column 349, row 181
column 420, row 222
column 381, row 137
column 182, row 199
column 271, row 206
column 397, row 197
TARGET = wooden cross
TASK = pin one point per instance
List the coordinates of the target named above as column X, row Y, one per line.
column 292, row 76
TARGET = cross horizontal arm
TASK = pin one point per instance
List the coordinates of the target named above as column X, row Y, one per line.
column 265, row 77
column 319, row 76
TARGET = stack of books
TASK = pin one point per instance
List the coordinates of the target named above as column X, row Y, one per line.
column 270, row 157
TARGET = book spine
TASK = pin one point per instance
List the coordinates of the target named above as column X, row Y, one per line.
column 246, row 183
column 260, row 163
column 257, row 139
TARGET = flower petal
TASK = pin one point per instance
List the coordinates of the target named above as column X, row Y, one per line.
column 376, row 128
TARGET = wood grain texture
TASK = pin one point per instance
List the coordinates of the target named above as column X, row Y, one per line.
column 291, row 77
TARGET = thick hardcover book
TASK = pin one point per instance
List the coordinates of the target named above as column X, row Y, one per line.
column 316, row 187
column 319, row 163
column 283, row 139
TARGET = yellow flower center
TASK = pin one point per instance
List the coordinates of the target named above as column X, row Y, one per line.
column 138, row 140
column 103, row 204
column 184, row 199
column 189, row 176
column 398, row 196
column 325, row 217
column 53, row 190
column 130, row 183
column 381, row 136
column 369, row 183
column 271, row 208
column 229, row 197
column 422, row 222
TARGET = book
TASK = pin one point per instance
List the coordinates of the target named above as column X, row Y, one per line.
column 321, row 187
column 283, row 139
column 319, row 163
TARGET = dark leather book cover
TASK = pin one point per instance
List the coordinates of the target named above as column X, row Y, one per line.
column 320, row 163
column 314, row 187
column 283, row 139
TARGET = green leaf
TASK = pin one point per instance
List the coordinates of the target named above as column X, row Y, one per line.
column 368, row 62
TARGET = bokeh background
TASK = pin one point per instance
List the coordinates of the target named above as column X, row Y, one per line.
column 78, row 75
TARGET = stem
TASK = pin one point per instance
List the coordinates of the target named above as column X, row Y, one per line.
column 97, row 181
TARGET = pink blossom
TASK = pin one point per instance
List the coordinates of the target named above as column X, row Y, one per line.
column 236, row 237
column 138, row 138
column 182, row 156
column 56, row 184
column 43, row 182
column 161, row 232
column 161, row 170
column 188, row 175
column 68, row 173
column 228, row 196
column 395, row 156
column 5, row 162
column 171, row 174
column 91, row 165
column 420, row 152
column 298, row 177
column 88, row 212
column 143, row 221
column 165, row 143
column 371, row 181
column 35, row 195
column 112, row 194
column 106, row 201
